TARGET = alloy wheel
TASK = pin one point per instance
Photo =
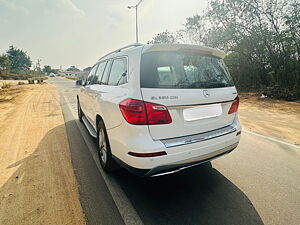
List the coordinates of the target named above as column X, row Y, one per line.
column 102, row 146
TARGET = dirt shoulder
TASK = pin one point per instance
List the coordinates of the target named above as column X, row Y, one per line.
column 12, row 82
column 274, row 118
column 37, row 183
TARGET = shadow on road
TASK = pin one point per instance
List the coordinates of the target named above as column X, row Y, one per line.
column 200, row 195
column 41, row 188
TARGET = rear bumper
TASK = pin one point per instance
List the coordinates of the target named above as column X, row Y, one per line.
column 178, row 166
column 124, row 140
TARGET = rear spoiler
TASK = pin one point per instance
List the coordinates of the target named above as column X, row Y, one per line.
column 184, row 47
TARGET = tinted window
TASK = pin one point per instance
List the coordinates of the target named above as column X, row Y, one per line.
column 100, row 71
column 106, row 73
column 166, row 75
column 118, row 72
column 91, row 75
column 183, row 70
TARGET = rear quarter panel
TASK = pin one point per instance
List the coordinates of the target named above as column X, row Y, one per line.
column 109, row 97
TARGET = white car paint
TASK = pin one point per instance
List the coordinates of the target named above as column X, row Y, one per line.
column 193, row 112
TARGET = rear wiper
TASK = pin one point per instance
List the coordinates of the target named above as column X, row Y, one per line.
column 207, row 85
column 198, row 84
column 215, row 85
column 186, row 84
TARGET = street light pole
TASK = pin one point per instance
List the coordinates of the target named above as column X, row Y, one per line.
column 136, row 19
column 136, row 25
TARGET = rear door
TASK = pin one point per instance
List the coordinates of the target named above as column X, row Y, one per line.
column 84, row 90
column 114, row 90
column 196, row 89
column 87, row 94
column 95, row 92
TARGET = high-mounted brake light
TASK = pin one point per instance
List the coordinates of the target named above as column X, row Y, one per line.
column 235, row 105
column 138, row 112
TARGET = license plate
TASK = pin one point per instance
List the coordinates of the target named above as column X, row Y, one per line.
column 202, row 112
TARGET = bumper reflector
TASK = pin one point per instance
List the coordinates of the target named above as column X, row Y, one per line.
column 238, row 133
column 144, row 155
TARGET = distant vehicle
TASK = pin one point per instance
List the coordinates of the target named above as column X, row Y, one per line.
column 158, row 109
column 51, row 75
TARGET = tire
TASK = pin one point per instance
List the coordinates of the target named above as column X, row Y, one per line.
column 107, row 162
column 79, row 111
column 208, row 165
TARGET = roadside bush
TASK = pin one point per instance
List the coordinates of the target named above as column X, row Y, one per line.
column 15, row 76
column 261, row 38
column 6, row 85
column 278, row 92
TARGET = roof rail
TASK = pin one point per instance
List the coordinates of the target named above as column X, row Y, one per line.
column 120, row 49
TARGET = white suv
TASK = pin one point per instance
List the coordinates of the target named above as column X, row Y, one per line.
column 157, row 109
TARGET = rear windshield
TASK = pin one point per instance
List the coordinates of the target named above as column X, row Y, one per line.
column 174, row 70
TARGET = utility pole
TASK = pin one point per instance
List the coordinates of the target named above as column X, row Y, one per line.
column 136, row 19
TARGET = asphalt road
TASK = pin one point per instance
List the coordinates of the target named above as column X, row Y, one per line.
column 258, row 183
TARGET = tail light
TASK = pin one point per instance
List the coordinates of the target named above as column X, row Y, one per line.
column 157, row 114
column 134, row 111
column 235, row 105
column 138, row 112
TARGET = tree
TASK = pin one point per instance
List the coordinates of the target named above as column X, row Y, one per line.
column 5, row 64
column 261, row 37
column 47, row 69
column 73, row 68
column 87, row 69
column 196, row 29
column 257, row 30
column 19, row 59
column 164, row 37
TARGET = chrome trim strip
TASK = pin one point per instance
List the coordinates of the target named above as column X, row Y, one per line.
column 155, row 172
column 172, row 142
column 195, row 105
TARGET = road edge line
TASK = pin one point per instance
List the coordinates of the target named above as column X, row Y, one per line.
column 127, row 211
column 271, row 139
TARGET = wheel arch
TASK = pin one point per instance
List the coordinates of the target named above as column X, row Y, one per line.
column 98, row 119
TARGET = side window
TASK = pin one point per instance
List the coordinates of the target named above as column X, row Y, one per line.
column 91, row 75
column 99, row 72
column 106, row 73
column 118, row 72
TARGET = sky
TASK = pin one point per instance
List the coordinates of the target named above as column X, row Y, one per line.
column 79, row 32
